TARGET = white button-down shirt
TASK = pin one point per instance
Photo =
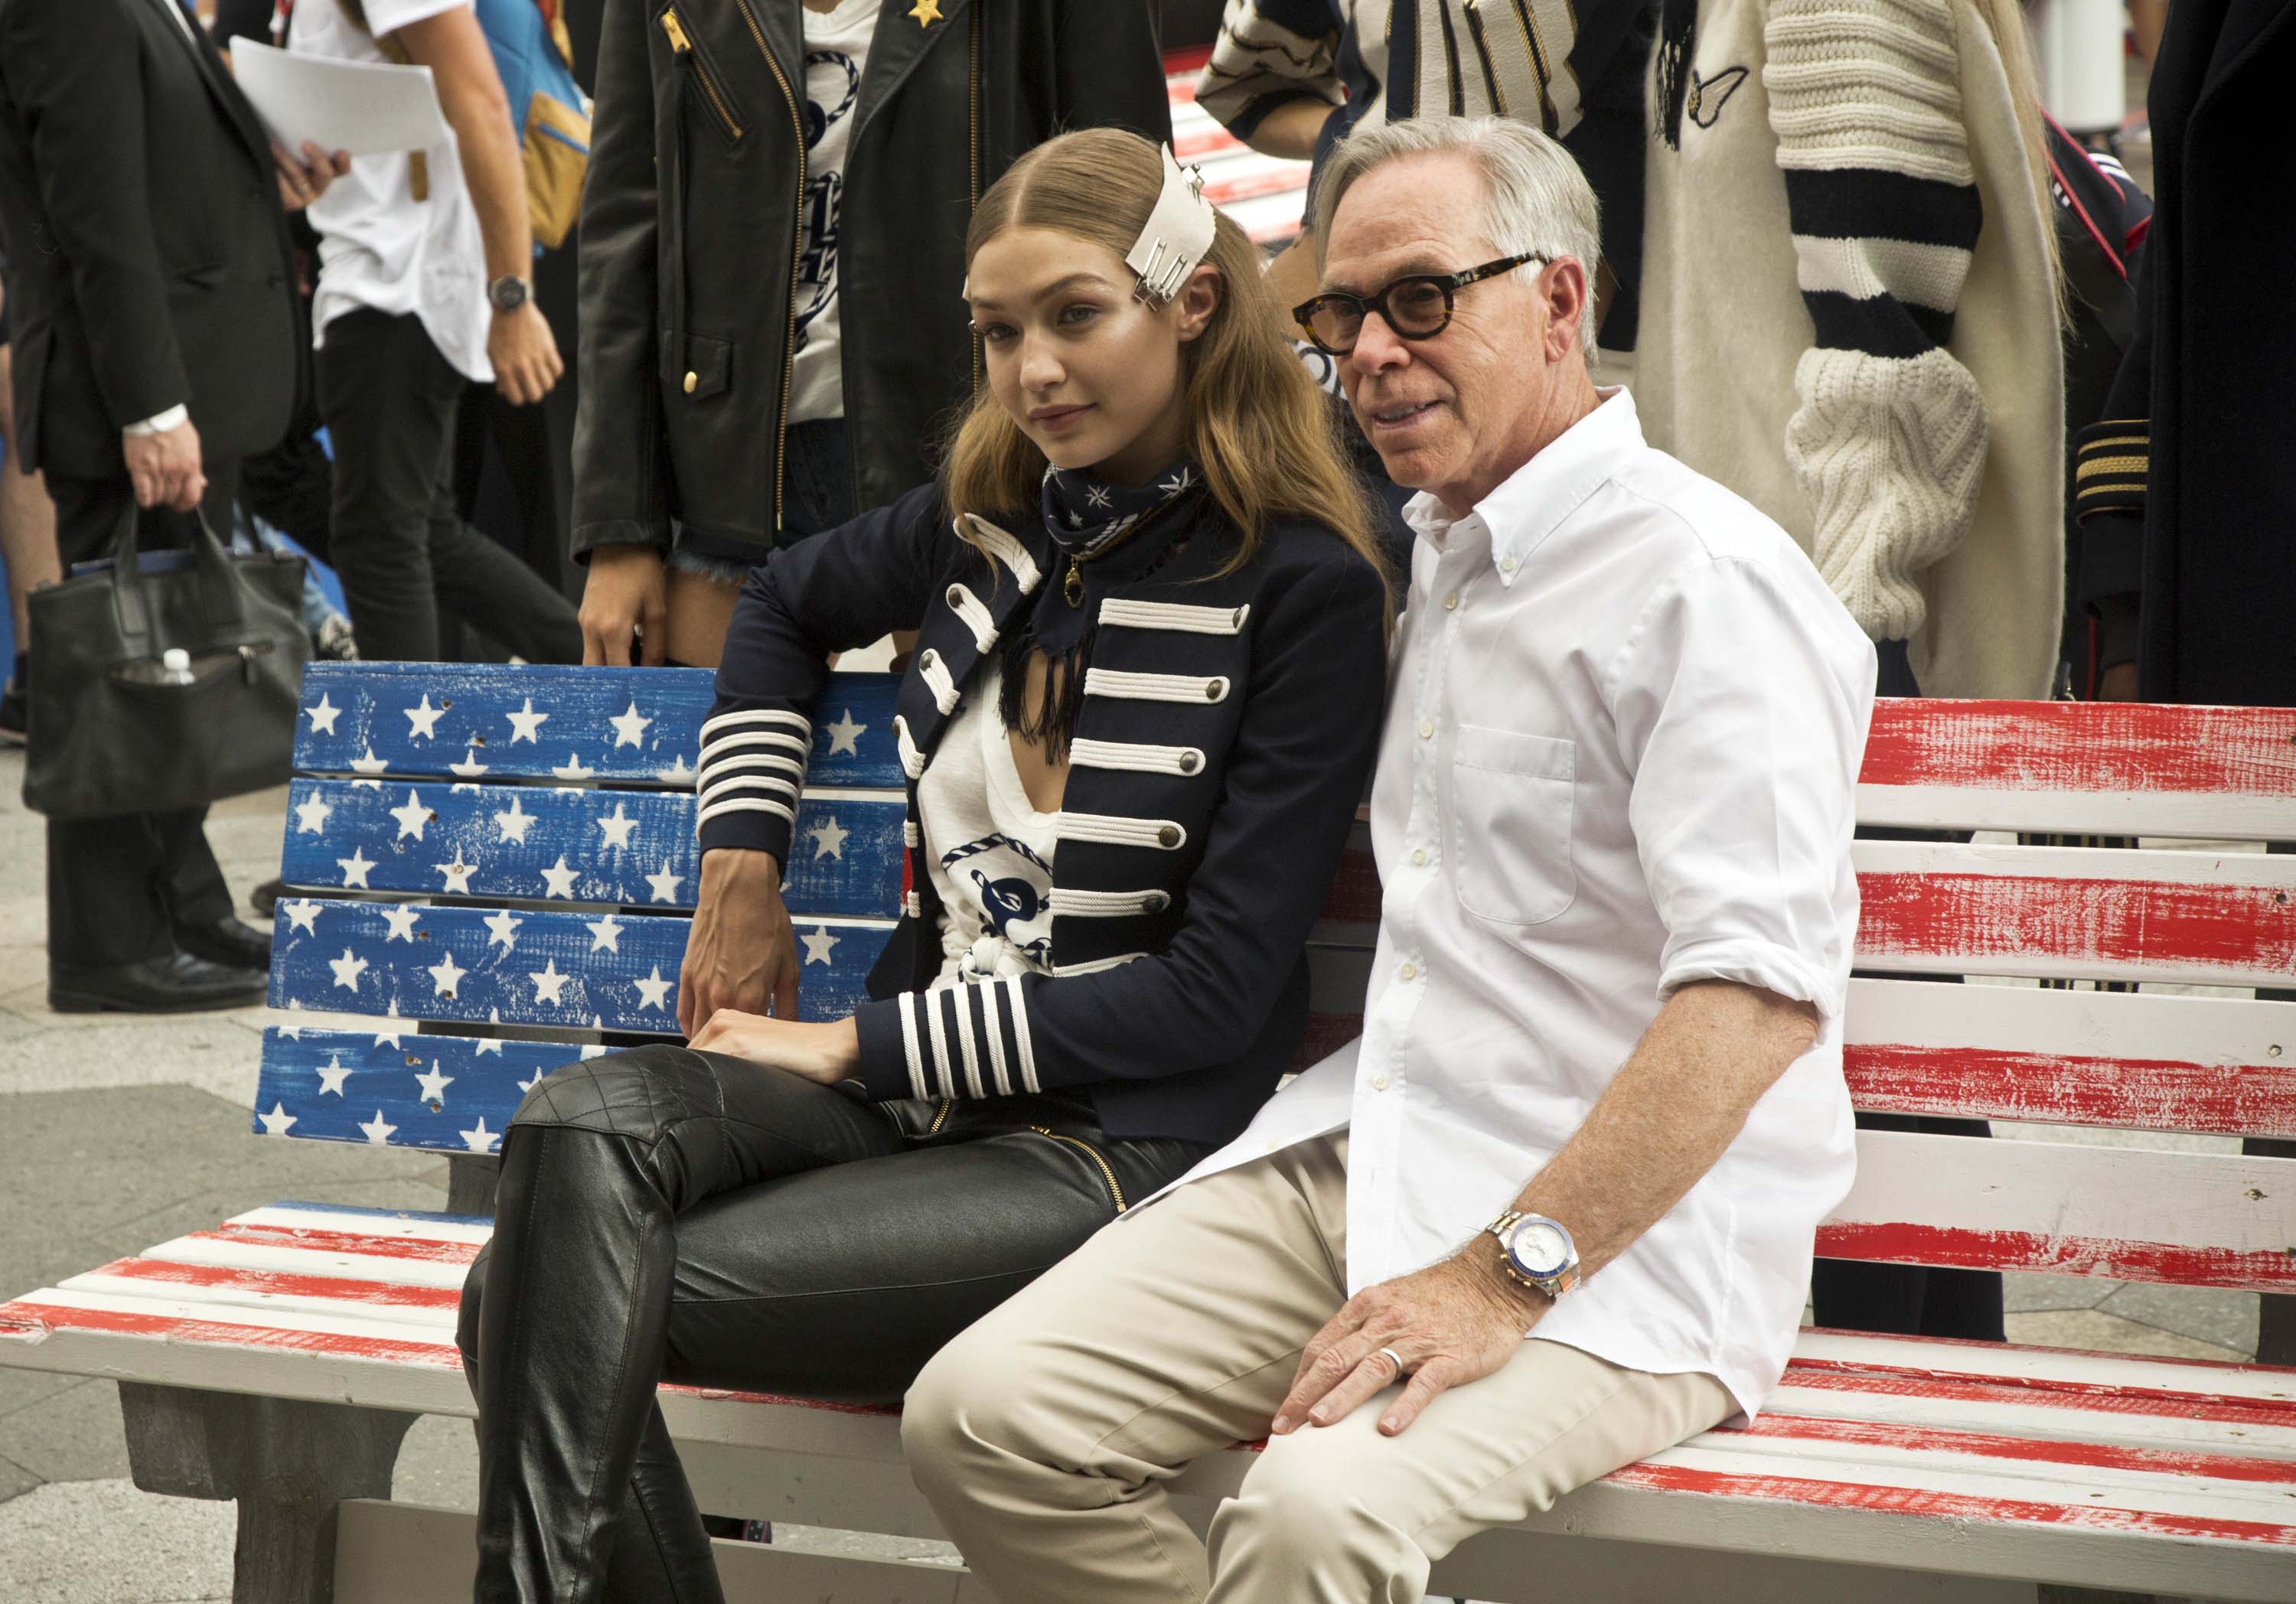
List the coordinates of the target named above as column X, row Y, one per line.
column 1622, row 755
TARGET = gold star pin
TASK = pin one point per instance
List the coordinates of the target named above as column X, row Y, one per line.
column 926, row 11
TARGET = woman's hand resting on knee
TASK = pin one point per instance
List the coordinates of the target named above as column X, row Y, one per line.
column 826, row 1054
column 742, row 952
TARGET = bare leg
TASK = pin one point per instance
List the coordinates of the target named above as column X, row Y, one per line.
column 27, row 519
column 700, row 610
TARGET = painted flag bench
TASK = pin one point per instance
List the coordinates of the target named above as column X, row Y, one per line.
column 495, row 866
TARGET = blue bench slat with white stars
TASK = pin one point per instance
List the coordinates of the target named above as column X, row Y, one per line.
column 543, row 844
column 621, row 726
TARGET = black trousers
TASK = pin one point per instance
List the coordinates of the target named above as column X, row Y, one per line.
column 401, row 547
column 668, row 1214
column 117, row 887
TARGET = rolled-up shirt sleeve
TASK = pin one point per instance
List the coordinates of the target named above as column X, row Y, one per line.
column 1742, row 702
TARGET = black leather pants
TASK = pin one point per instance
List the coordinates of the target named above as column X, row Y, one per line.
column 668, row 1214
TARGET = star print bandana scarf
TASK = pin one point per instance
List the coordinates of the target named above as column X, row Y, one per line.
column 1103, row 536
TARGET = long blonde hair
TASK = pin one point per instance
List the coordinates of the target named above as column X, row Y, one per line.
column 2005, row 18
column 1264, row 436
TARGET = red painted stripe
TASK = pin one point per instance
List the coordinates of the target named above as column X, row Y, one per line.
column 284, row 1284
column 2051, row 1088
column 1965, row 1248
column 2000, row 746
column 32, row 1315
column 1214, row 141
column 1248, row 187
column 1816, row 1376
column 1186, row 61
column 2125, row 923
column 1949, row 1506
column 422, row 1250
column 2045, row 1451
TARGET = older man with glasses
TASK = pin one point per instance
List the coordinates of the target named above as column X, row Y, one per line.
column 1553, row 1211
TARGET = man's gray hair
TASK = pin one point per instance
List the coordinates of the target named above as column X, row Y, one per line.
column 1535, row 198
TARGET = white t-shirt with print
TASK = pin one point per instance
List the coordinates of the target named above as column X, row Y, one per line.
column 836, row 52
column 990, row 853
column 379, row 246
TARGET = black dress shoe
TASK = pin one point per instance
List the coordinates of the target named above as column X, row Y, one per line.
column 178, row 983
column 265, row 897
column 226, row 941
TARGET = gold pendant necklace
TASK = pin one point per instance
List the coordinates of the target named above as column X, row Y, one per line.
column 1073, row 587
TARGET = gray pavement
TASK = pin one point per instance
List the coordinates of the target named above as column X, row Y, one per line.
column 116, row 1134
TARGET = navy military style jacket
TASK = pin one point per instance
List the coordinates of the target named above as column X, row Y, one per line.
column 1227, row 735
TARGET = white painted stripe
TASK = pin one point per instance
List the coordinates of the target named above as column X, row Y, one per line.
column 1114, row 830
column 976, row 618
column 1137, row 758
column 1871, row 267
column 754, row 717
column 1121, row 613
column 992, row 1030
column 382, row 1227
column 756, row 805
column 1018, row 1003
column 2233, row 1032
column 1005, row 548
column 938, row 681
column 223, row 1252
column 2044, row 1366
column 2214, row 817
column 2070, row 863
column 1107, row 904
column 944, row 1078
column 1153, row 687
column 1096, row 965
column 272, row 1319
column 913, row 761
column 237, row 1301
column 2050, row 1421
column 909, row 1046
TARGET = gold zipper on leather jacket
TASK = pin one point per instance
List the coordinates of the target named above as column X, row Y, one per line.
column 796, row 254
column 940, row 1116
column 1115, row 1190
column 682, row 47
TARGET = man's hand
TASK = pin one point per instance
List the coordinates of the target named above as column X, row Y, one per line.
column 303, row 179
column 624, row 606
column 823, row 1053
column 1453, row 1322
column 742, row 954
column 525, row 354
column 165, row 468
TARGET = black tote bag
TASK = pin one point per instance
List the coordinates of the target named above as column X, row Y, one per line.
column 111, row 734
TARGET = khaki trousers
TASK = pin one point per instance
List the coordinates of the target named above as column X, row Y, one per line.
column 1044, row 1435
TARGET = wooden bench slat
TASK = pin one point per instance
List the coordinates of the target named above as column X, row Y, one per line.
column 355, row 721
column 2214, row 919
column 563, row 969
column 613, row 847
column 342, row 1085
column 2090, row 768
column 2190, row 1219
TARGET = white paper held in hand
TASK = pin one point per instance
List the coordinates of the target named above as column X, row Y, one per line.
column 362, row 107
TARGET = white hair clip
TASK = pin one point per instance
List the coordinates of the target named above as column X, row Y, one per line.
column 1177, row 236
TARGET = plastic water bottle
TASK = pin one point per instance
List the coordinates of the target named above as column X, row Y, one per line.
column 175, row 667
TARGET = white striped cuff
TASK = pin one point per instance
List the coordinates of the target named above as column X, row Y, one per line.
column 967, row 1040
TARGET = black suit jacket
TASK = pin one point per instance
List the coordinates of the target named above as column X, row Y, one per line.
column 149, row 255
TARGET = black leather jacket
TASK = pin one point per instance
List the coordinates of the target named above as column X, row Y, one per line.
column 690, row 234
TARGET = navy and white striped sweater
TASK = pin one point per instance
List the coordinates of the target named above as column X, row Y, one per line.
column 1227, row 732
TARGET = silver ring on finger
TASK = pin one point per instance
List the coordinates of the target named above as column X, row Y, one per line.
column 1395, row 1359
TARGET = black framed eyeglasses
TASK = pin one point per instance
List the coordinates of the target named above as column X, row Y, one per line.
column 1417, row 306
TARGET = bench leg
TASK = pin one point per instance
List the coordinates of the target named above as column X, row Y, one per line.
column 289, row 1464
column 471, row 1183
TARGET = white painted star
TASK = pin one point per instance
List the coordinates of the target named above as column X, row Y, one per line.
column 560, row 879
column 595, row 1050
column 348, row 970
column 458, row 874
column 401, row 921
column 367, row 784
column 513, row 821
column 629, row 728
column 311, row 816
column 445, row 974
column 665, row 884
column 323, row 716
column 482, row 1140
column 412, row 817
column 368, row 765
column 828, row 839
column 529, row 1085
column 292, row 1032
column 819, row 944
column 548, row 983
column 675, row 771
column 605, row 935
column 434, row 1084
column 378, row 1130
column 844, row 734
column 469, row 768
column 488, row 1044
column 653, row 990
column 524, row 724
column 278, row 1122
column 394, row 1037
column 573, row 768
column 422, row 721
column 332, row 1074
column 618, row 828
column 501, row 927
column 354, row 868
column 303, row 915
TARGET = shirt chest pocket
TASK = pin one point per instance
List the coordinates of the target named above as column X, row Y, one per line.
column 1508, row 824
